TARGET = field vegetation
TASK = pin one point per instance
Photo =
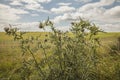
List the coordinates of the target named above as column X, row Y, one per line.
column 57, row 55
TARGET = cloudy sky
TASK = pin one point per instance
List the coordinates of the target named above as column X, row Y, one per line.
column 26, row 14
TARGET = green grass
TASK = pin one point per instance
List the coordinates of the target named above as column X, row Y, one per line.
column 108, row 37
column 10, row 53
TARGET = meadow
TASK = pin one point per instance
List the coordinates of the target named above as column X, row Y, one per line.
column 60, row 56
column 10, row 53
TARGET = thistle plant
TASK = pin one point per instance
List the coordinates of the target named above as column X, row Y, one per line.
column 64, row 56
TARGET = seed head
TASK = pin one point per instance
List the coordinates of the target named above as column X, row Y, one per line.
column 41, row 25
column 45, row 40
column 6, row 29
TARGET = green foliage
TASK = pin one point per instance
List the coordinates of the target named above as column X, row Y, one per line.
column 64, row 57
column 115, row 48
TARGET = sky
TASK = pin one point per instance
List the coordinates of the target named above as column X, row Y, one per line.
column 26, row 14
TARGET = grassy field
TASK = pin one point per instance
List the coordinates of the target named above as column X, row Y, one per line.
column 10, row 53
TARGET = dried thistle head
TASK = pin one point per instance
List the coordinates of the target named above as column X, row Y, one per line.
column 41, row 25
column 72, row 23
column 46, row 35
column 45, row 40
column 6, row 29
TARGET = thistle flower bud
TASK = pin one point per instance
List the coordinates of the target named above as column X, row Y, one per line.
column 72, row 23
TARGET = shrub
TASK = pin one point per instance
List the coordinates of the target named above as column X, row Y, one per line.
column 64, row 56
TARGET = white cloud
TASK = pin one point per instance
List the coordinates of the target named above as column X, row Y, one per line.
column 34, row 15
column 32, row 1
column 108, row 18
column 95, row 12
column 36, row 7
column 104, row 15
column 2, row 26
column 29, row 26
column 16, row 3
column 62, row 9
column 33, row 6
column 113, row 12
column 9, row 14
column 117, row 0
column 44, row 1
column 64, row 17
column 110, row 27
column 28, row 1
column 85, row 1
column 64, row 4
column 63, row 28
column 96, row 5
column 32, row 26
